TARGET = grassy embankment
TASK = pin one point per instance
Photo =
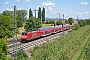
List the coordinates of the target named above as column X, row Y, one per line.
column 68, row 47
column 85, row 53
column 45, row 25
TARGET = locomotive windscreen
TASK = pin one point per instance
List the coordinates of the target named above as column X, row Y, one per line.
column 24, row 33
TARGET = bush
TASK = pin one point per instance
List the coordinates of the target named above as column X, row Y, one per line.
column 21, row 55
column 3, row 49
column 59, row 22
column 76, row 27
column 66, row 21
column 70, row 20
column 19, row 23
column 83, row 23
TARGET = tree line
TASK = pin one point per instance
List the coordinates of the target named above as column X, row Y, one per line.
column 82, row 23
column 41, row 14
column 59, row 22
column 6, row 21
column 31, row 21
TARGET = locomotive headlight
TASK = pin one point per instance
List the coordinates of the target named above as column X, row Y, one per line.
column 25, row 36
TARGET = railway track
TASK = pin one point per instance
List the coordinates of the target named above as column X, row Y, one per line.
column 18, row 41
column 41, row 41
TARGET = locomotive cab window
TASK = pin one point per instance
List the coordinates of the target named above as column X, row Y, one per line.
column 24, row 33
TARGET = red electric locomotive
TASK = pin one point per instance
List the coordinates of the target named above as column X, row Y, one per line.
column 26, row 36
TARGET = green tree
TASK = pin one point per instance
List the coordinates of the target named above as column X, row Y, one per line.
column 66, row 21
column 88, row 21
column 3, row 49
column 59, row 22
column 7, row 13
column 21, row 14
column 5, row 26
column 21, row 17
column 84, row 22
column 30, row 13
column 47, row 22
column 19, row 23
column 39, row 13
column 80, row 23
column 30, row 24
column 43, row 14
column 70, row 20
column 52, row 21
column 38, row 23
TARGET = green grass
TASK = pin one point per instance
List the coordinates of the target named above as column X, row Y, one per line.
column 87, row 51
column 45, row 25
column 85, row 54
column 21, row 55
column 68, row 47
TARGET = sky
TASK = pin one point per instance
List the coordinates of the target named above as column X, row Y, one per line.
column 70, row 8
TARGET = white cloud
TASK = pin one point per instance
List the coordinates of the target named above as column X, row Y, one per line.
column 27, row 0
column 19, row 9
column 9, row 9
column 65, row 13
column 45, row 10
column 30, row 6
column 79, row 13
column 6, row 3
column 18, row 0
column 33, row 7
column 72, row 12
column 49, row 5
column 0, row 2
column 87, row 12
column 50, row 8
column 53, row 13
column 84, row 3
